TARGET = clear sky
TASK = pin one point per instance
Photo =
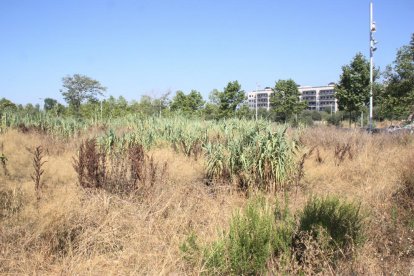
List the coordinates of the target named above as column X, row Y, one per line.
column 137, row 47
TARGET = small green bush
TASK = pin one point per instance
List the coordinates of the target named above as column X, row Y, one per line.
column 190, row 249
column 263, row 240
column 255, row 236
column 343, row 221
column 335, row 119
column 248, row 244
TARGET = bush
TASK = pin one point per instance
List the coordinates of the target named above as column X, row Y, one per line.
column 248, row 245
column 316, row 115
column 343, row 221
column 255, row 236
column 335, row 119
column 307, row 121
column 263, row 162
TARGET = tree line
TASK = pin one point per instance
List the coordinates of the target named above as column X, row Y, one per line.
column 393, row 91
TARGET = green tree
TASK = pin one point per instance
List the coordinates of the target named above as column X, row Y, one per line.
column 6, row 104
column 149, row 106
column 229, row 99
column 397, row 101
column 244, row 112
column 31, row 110
column 285, row 100
column 79, row 88
column 162, row 103
column 145, row 106
column 188, row 104
column 352, row 91
column 49, row 104
column 53, row 106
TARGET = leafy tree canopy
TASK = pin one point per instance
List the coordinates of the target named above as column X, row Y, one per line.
column 398, row 97
column 229, row 99
column 187, row 103
column 6, row 104
column 79, row 88
column 352, row 91
column 285, row 101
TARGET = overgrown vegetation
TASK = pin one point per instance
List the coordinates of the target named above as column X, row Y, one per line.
column 128, row 215
column 121, row 172
column 253, row 161
column 342, row 221
column 265, row 237
column 256, row 235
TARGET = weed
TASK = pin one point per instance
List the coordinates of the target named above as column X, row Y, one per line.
column 311, row 253
column 118, row 171
column 341, row 150
column 90, row 165
column 3, row 160
column 343, row 221
column 38, row 163
column 137, row 162
column 191, row 250
column 318, row 157
column 300, row 166
column 404, row 196
column 11, row 202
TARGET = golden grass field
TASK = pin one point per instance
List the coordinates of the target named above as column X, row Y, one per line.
column 70, row 231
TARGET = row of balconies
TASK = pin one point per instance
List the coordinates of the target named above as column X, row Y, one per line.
column 326, row 92
column 311, row 92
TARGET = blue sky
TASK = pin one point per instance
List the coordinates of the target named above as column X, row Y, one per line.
column 139, row 47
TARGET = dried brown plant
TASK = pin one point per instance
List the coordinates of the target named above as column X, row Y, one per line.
column 38, row 162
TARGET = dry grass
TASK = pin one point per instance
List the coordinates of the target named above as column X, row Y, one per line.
column 75, row 231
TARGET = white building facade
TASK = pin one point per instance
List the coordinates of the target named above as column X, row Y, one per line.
column 319, row 98
column 262, row 96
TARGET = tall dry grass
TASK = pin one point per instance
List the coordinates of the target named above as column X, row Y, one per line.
column 75, row 231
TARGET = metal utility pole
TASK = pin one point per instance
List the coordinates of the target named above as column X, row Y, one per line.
column 372, row 48
column 257, row 91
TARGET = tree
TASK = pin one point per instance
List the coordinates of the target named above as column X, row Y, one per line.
column 162, row 103
column 229, row 99
column 49, row 104
column 52, row 105
column 398, row 97
column 78, row 88
column 6, row 104
column 31, row 109
column 352, row 91
column 151, row 106
column 285, row 101
column 244, row 112
column 188, row 104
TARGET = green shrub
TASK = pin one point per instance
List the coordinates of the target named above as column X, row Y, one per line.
column 343, row 221
column 190, row 249
column 307, row 121
column 335, row 119
column 255, row 236
column 248, row 244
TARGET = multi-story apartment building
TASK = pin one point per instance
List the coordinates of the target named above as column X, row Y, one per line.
column 320, row 98
column 263, row 98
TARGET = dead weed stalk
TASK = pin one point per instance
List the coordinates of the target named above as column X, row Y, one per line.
column 38, row 162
